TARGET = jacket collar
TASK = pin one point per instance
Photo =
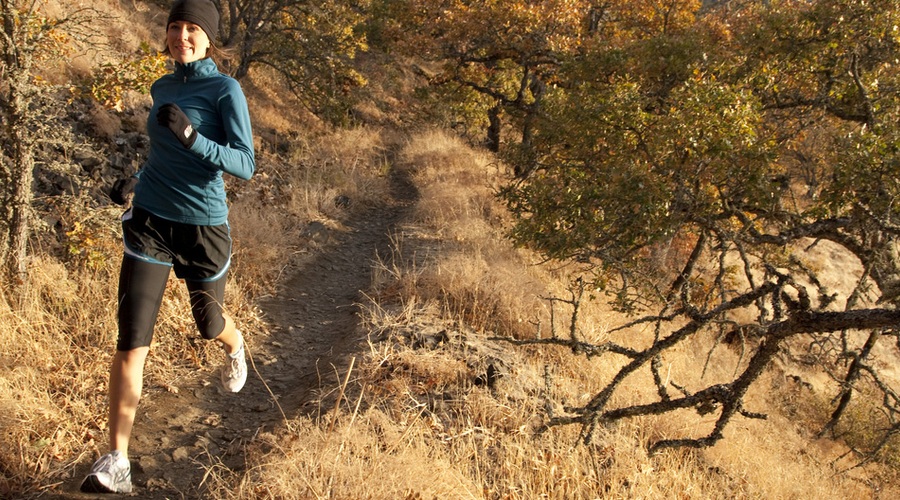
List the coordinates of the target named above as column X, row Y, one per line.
column 197, row 69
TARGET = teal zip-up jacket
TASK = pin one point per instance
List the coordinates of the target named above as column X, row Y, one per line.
column 186, row 185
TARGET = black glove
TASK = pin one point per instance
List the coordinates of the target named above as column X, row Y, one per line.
column 121, row 189
column 170, row 115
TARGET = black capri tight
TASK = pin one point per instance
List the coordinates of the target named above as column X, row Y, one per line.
column 141, row 288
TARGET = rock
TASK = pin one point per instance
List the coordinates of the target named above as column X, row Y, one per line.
column 181, row 453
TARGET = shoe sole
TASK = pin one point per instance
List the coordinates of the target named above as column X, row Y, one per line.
column 226, row 390
column 93, row 485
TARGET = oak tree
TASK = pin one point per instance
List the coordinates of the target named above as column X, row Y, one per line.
column 311, row 45
column 692, row 162
column 497, row 58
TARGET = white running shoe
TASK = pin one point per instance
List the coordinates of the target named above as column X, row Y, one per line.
column 111, row 473
column 234, row 373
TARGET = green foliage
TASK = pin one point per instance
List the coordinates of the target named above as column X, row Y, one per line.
column 708, row 123
column 310, row 44
column 867, row 174
column 504, row 53
column 114, row 79
column 618, row 175
column 457, row 107
column 89, row 245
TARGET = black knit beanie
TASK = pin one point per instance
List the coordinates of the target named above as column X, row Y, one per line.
column 203, row 13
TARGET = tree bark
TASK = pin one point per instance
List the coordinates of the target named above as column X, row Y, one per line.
column 15, row 108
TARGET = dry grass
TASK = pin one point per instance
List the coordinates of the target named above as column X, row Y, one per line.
column 51, row 367
column 476, row 278
column 413, row 421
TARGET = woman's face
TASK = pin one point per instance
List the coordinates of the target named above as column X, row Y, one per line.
column 187, row 42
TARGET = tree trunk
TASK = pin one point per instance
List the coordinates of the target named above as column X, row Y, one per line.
column 493, row 132
column 537, row 87
column 19, row 135
column 21, row 198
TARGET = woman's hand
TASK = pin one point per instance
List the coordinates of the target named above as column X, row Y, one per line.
column 170, row 115
column 122, row 190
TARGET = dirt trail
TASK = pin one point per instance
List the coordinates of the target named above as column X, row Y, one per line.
column 312, row 322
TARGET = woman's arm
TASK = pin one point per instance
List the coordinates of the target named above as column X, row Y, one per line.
column 237, row 156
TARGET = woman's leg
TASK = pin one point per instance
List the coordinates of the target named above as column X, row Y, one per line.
column 229, row 337
column 126, row 382
column 212, row 321
column 141, row 288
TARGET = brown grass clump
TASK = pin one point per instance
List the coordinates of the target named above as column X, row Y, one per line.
column 475, row 277
column 52, row 365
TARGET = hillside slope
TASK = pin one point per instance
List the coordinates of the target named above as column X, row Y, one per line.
column 371, row 275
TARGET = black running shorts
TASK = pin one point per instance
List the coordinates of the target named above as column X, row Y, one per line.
column 196, row 253
column 199, row 254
